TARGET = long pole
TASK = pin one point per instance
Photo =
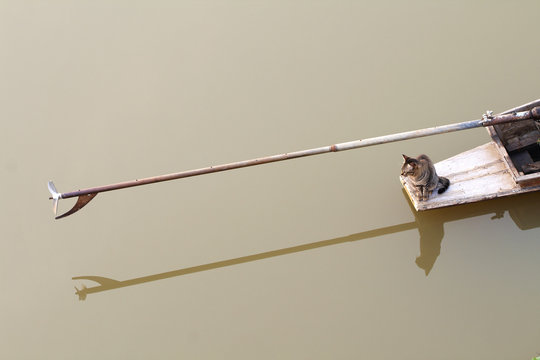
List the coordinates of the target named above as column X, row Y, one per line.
column 85, row 195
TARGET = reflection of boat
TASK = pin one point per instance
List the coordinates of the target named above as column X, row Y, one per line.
column 430, row 225
column 507, row 165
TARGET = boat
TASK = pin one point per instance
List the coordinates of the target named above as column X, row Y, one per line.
column 507, row 165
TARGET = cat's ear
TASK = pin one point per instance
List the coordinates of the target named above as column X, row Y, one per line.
column 405, row 157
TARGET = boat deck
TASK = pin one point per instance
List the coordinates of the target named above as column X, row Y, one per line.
column 478, row 174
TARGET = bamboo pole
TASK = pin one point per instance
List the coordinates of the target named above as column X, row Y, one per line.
column 85, row 195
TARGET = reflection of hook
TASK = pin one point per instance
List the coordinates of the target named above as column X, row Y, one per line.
column 106, row 284
column 81, row 292
column 103, row 281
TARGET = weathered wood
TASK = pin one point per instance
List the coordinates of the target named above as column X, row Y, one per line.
column 502, row 151
column 517, row 136
column 475, row 175
column 532, row 167
column 498, row 134
column 487, row 171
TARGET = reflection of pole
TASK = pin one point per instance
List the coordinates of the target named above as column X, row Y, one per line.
column 109, row 284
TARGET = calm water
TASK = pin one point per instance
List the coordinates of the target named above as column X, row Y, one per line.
column 317, row 258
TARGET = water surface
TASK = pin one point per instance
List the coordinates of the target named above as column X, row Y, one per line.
column 316, row 258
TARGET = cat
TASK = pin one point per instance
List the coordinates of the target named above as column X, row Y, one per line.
column 421, row 172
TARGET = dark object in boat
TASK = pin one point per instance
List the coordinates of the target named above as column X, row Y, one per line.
column 520, row 141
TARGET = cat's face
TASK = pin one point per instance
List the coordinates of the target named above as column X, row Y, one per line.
column 409, row 167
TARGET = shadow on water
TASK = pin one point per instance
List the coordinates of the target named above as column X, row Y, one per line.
column 522, row 209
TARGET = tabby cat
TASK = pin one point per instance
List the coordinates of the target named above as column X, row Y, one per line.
column 421, row 172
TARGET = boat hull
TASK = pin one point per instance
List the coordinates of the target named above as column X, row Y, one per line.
column 478, row 174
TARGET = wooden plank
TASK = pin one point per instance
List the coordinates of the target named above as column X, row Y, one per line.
column 502, row 151
column 498, row 135
column 529, row 179
column 518, row 135
column 532, row 167
column 520, row 178
column 475, row 175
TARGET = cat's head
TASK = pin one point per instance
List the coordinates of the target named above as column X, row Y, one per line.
column 409, row 167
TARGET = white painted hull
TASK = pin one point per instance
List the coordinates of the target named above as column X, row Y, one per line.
column 475, row 175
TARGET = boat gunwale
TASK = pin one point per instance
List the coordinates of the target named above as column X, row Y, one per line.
column 522, row 183
column 519, row 178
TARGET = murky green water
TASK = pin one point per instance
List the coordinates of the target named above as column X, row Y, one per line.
column 317, row 258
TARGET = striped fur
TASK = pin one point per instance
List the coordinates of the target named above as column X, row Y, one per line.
column 422, row 174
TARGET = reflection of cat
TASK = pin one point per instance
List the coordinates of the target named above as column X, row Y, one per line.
column 423, row 176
